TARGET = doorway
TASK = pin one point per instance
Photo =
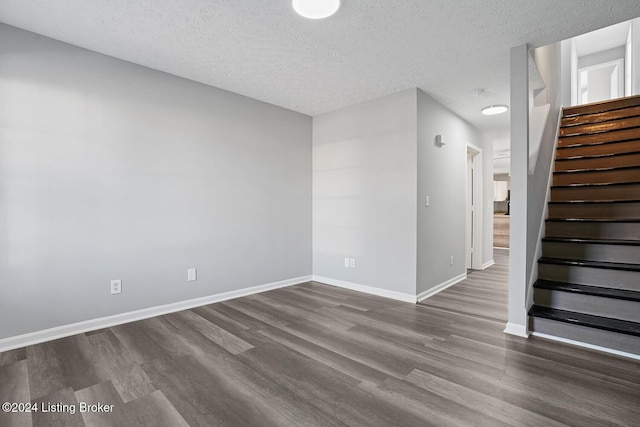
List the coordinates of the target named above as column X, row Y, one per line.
column 601, row 82
column 473, row 208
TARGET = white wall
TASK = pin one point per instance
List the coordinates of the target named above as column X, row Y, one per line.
column 109, row 170
column 441, row 176
column 548, row 60
column 529, row 191
column 568, row 57
column 364, row 194
column 635, row 56
column 518, row 277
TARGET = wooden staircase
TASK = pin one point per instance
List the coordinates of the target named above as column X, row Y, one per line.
column 588, row 286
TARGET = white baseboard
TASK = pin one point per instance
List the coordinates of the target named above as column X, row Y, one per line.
column 441, row 287
column 587, row 345
column 487, row 264
column 400, row 296
column 517, row 330
column 37, row 337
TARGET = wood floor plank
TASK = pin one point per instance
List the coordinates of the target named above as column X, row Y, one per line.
column 11, row 356
column 222, row 320
column 14, row 388
column 68, row 362
column 344, row 344
column 114, row 363
column 337, row 361
column 154, row 410
column 431, row 406
column 104, row 407
column 586, row 395
column 223, row 391
column 58, row 409
column 326, row 388
column 211, row 331
column 469, row 398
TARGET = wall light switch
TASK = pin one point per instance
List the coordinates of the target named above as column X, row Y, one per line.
column 191, row 275
column 116, row 287
column 426, row 201
column 346, row 263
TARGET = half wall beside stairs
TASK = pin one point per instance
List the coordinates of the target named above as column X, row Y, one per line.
column 588, row 287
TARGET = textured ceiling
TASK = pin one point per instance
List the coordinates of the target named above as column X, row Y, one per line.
column 604, row 39
column 370, row 48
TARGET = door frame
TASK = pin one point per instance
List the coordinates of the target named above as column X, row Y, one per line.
column 477, row 234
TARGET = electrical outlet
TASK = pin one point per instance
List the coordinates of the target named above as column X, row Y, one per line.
column 116, row 287
column 451, row 261
column 352, row 262
column 191, row 275
column 426, row 201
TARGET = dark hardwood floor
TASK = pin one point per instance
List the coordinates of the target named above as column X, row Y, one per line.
column 501, row 230
column 317, row 355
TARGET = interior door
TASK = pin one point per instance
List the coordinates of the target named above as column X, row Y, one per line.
column 470, row 211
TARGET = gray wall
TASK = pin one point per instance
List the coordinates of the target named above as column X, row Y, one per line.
column 364, row 193
column 109, row 170
column 441, row 176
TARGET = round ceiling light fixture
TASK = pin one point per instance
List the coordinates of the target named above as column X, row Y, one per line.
column 316, row 9
column 492, row 110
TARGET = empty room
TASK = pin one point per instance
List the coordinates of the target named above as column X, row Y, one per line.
column 235, row 213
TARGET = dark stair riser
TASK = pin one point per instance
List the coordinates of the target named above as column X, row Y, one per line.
column 582, row 275
column 591, row 251
column 595, row 210
column 596, row 192
column 593, row 230
column 607, row 339
column 597, row 176
column 598, row 149
column 588, row 304
column 611, row 136
column 599, row 107
column 614, row 161
column 600, row 117
column 610, row 125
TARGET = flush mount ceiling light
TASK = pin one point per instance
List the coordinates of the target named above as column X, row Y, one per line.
column 316, row 9
column 492, row 110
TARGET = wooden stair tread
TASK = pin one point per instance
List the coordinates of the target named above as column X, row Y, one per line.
column 570, row 152
column 598, row 184
column 569, row 202
column 579, row 129
column 611, row 137
column 592, row 241
column 588, row 320
column 606, row 169
column 605, row 116
column 593, row 264
column 622, row 294
column 602, row 106
column 597, row 156
column 596, row 220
